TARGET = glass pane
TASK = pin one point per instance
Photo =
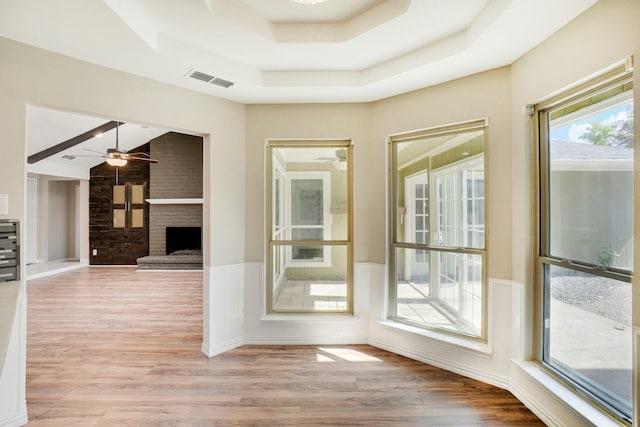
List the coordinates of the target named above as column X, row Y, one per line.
column 460, row 205
column 320, row 289
column 137, row 217
column 310, row 188
column 591, row 182
column 440, row 189
column 118, row 194
column 310, row 233
column 119, row 218
column 440, row 289
column 413, row 226
column 589, row 332
column 137, row 194
column 307, row 202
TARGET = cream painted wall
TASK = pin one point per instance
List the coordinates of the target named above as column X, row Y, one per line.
column 58, row 220
column 234, row 185
column 602, row 36
column 81, row 87
column 315, row 121
column 479, row 96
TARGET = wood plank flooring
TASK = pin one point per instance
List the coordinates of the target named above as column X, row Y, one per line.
column 115, row 347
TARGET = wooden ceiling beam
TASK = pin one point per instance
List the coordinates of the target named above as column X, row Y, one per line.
column 72, row 142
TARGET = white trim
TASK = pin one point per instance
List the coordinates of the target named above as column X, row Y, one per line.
column 15, row 421
column 453, row 338
column 581, row 407
column 174, row 201
column 446, row 364
column 221, row 347
column 305, row 340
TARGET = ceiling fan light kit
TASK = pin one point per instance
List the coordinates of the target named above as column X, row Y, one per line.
column 118, row 158
column 116, row 161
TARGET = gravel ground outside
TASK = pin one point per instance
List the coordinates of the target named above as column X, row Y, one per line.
column 605, row 297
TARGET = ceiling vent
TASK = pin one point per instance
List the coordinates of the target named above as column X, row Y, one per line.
column 68, row 157
column 208, row 78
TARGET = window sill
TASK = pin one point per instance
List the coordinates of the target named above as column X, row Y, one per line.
column 459, row 341
column 311, row 317
column 560, row 391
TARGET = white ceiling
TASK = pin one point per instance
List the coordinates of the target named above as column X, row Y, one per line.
column 277, row 51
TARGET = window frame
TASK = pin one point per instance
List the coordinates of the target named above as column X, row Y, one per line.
column 542, row 256
column 328, row 244
column 433, row 250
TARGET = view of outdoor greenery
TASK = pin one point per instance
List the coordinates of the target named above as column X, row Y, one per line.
column 616, row 134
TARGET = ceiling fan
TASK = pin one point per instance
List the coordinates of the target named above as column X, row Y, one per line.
column 339, row 160
column 117, row 157
column 341, row 156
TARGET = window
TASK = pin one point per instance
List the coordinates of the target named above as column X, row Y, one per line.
column 437, row 268
column 309, row 250
column 586, row 240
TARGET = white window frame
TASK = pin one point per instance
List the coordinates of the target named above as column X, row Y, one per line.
column 456, row 170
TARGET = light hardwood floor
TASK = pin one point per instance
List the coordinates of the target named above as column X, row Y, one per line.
column 112, row 347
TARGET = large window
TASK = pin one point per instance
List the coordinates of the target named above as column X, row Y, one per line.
column 309, row 251
column 586, row 240
column 437, row 268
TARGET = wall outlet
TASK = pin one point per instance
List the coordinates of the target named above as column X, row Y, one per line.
column 95, row 252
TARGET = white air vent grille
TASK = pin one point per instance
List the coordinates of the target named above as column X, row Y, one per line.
column 68, row 157
column 208, row 78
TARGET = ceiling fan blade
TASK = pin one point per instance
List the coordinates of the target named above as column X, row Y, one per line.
column 88, row 155
column 141, row 159
column 139, row 154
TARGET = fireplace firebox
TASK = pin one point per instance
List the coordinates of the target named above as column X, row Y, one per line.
column 183, row 239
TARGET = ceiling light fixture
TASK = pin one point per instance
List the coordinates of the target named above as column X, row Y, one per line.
column 308, row 1
column 115, row 157
column 116, row 161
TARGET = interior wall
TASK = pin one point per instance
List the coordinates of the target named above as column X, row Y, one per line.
column 314, row 121
column 604, row 35
column 58, row 220
column 484, row 95
column 78, row 86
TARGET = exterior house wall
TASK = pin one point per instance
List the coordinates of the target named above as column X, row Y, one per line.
column 581, row 223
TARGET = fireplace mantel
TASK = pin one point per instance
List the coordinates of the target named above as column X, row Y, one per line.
column 174, row 201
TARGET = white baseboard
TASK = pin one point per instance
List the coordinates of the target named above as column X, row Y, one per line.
column 534, row 406
column 219, row 349
column 448, row 365
column 15, row 421
column 304, row 340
